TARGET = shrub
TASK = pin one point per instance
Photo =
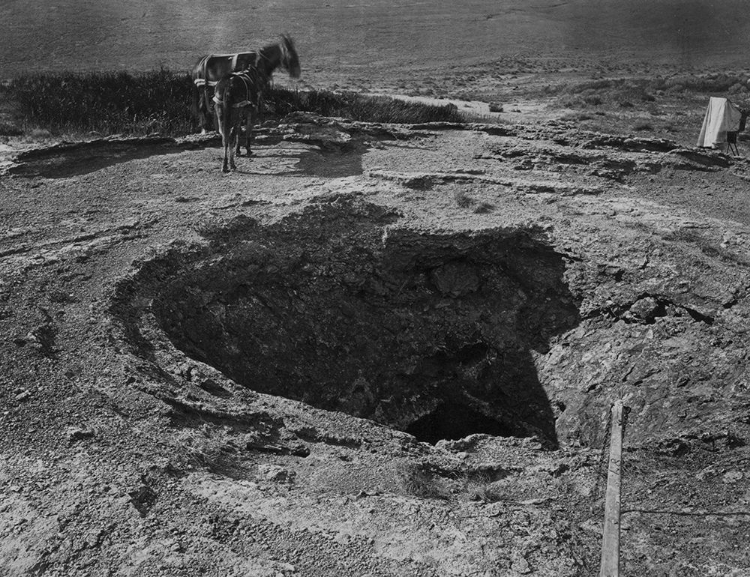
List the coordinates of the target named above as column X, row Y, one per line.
column 204, row 448
column 463, row 200
column 571, row 102
column 9, row 129
column 578, row 117
column 484, row 208
column 161, row 102
column 712, row 83
column 593, row 100
column 105, row 102
column 418, row 481
column 626, row 91
column 480, row 488
column 356, row 106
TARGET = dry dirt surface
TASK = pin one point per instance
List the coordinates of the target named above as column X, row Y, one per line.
column 373, row 350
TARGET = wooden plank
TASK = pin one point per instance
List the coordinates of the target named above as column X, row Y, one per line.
column 610, row 566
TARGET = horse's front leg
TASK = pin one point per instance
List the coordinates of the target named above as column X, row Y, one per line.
column 249, row 121
column 233, row 145
column 224, row 138
column 225, row 164
column 226, row 142
column 212, row 116
column 259, row 110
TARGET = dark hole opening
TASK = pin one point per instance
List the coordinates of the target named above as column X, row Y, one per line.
column 431, row 334
column 455, row 421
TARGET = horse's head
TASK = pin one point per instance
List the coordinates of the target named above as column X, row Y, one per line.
column 290, row 59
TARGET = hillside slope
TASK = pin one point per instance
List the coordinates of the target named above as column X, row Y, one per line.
column 362, row 36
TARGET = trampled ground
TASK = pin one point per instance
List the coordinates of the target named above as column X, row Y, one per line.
column 377, row 349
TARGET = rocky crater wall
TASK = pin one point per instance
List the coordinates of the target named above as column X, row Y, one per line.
column 341, row 308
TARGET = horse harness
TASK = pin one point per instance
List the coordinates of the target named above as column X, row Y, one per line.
column 201, row 82
column 248, row 82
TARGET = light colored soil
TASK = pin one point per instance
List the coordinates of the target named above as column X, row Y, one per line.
column 616, row 263
column 119, row 455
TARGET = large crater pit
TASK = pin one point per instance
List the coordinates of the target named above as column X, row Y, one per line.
column 341, row 308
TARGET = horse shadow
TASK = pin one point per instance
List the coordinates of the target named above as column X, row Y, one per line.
column 307, row 162
column 315, row 155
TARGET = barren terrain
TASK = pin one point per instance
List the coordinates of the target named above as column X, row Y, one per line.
column 457, row 283
column 378, row 350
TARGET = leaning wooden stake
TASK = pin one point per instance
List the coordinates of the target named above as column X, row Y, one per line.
column 611, row 541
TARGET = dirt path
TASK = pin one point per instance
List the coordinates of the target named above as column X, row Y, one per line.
column 464, row 268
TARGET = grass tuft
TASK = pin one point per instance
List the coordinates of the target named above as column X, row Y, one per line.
column 484, row 208
column 480, row 488
column 463, row 199
column 643, row 126
column 418, row 481
column 9, row 129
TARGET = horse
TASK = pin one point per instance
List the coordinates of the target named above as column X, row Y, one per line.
column 206, row 74
column 213, row 67
column 234, row 96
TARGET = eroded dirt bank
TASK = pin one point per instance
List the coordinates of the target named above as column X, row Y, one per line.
column 186, row 356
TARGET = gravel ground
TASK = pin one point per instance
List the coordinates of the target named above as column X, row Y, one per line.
column 122, row 455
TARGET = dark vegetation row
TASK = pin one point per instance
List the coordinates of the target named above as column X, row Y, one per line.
column 161, row 102
column 627, row 92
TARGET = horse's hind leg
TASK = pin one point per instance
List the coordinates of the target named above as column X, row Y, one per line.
column 238, row 124
column 225, row 141
column 215, row 119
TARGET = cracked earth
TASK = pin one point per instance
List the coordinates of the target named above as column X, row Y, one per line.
column 372, row 350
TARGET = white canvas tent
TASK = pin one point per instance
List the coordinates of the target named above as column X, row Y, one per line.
column 721, row 117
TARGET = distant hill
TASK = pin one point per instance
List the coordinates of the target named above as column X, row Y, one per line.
column 361, row 35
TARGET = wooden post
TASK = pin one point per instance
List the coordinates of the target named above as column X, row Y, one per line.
column 611, row 536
